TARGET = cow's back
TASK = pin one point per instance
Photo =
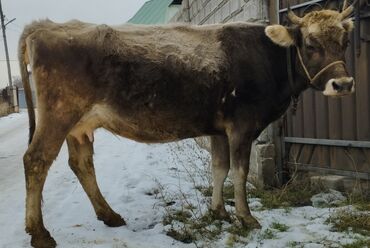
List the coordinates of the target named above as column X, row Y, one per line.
column 159, row 82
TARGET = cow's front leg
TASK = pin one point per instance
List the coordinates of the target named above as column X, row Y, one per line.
column 240, row 148
column 220, row 169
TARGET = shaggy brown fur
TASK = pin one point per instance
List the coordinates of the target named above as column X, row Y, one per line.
column 157, row 84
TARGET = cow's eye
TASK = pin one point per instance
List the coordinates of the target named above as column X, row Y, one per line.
column 311, row 48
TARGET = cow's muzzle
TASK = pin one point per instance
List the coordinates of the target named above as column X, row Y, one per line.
column 339, row 86
column 335, row 86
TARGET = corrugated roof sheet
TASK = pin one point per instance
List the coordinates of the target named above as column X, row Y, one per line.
column 152, row 12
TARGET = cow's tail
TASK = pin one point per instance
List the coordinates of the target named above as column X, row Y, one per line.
column 23, row 62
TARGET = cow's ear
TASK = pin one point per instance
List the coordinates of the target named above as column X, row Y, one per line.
column 280, row 35
column 348, row 25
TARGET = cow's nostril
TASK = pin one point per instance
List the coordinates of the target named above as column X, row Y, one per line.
column 347, row 86
column 337, row 86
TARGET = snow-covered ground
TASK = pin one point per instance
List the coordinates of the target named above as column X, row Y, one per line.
column 127, row 172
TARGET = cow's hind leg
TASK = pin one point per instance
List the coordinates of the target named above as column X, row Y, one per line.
column 42, row 151
column 81, row 163
column 220, row 169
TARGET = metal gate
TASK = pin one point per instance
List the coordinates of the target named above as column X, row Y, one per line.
column 332, row 135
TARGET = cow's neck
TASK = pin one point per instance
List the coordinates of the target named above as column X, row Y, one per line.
column 293, row 76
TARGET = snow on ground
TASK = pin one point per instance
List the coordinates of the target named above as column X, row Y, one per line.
column 127, row 172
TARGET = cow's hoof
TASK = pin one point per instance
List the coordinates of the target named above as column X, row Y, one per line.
column 43, row 240
column 220, row 214
column 249, row 222
column 113, row 220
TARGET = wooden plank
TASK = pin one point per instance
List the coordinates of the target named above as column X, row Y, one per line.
column 328, row 142
column 349, row 102
column 321, row 112
column 321, row 155
column 306, row 154
column 334, row 118
column 288, row 127
column 349, row 122
column 309, row 118
column 363, row 86
column 334, row 127
column 354, row 160
column 297, row 120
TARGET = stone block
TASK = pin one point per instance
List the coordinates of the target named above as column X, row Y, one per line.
column 225, row 11
column 193, row 11
column 207, row 9
column 264, row 136
column 194, row 20
column 201, row 15
column 204, row 142
column 218, row 16
column 204, row 3
column 239, row 17
column 262, row 169
column 219, row 2
column 234, row 6
column 268, row 171
column 212, row 5
column 267, row 150
column 211, row 19
column 329, row 181
column 191, row 2
column 356, row 186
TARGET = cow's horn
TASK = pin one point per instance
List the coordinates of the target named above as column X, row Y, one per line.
column 347, row 11
column 293, row 17
column 345, row 3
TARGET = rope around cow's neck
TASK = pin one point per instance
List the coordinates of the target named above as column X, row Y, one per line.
column 312, row 79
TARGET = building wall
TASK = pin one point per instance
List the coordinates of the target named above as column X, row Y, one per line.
column 222, row 11
column 171, row 11
column 155, row 12
column 263, row 156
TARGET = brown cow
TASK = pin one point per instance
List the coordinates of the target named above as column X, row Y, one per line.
column 166, row 83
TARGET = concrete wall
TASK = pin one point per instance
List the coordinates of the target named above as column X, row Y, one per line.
column 263, row 155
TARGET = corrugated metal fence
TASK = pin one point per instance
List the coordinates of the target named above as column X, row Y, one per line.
column 333, row 134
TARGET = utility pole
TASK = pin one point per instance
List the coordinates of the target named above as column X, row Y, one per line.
column 12, row 90
column 3, row 26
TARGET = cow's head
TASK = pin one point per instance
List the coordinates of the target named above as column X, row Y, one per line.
column 321, row 39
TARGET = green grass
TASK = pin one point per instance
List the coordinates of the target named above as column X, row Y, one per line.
column 231, row 240
column 295, row 244
column 268, row 234
column 362, row 243
column 187, row 228
column 179, row 215
column 296, row 194
column 356, row 221
column 228, row 191
column 238, row 230
column 280, row 227
column 360, row 201
column 190, row 228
